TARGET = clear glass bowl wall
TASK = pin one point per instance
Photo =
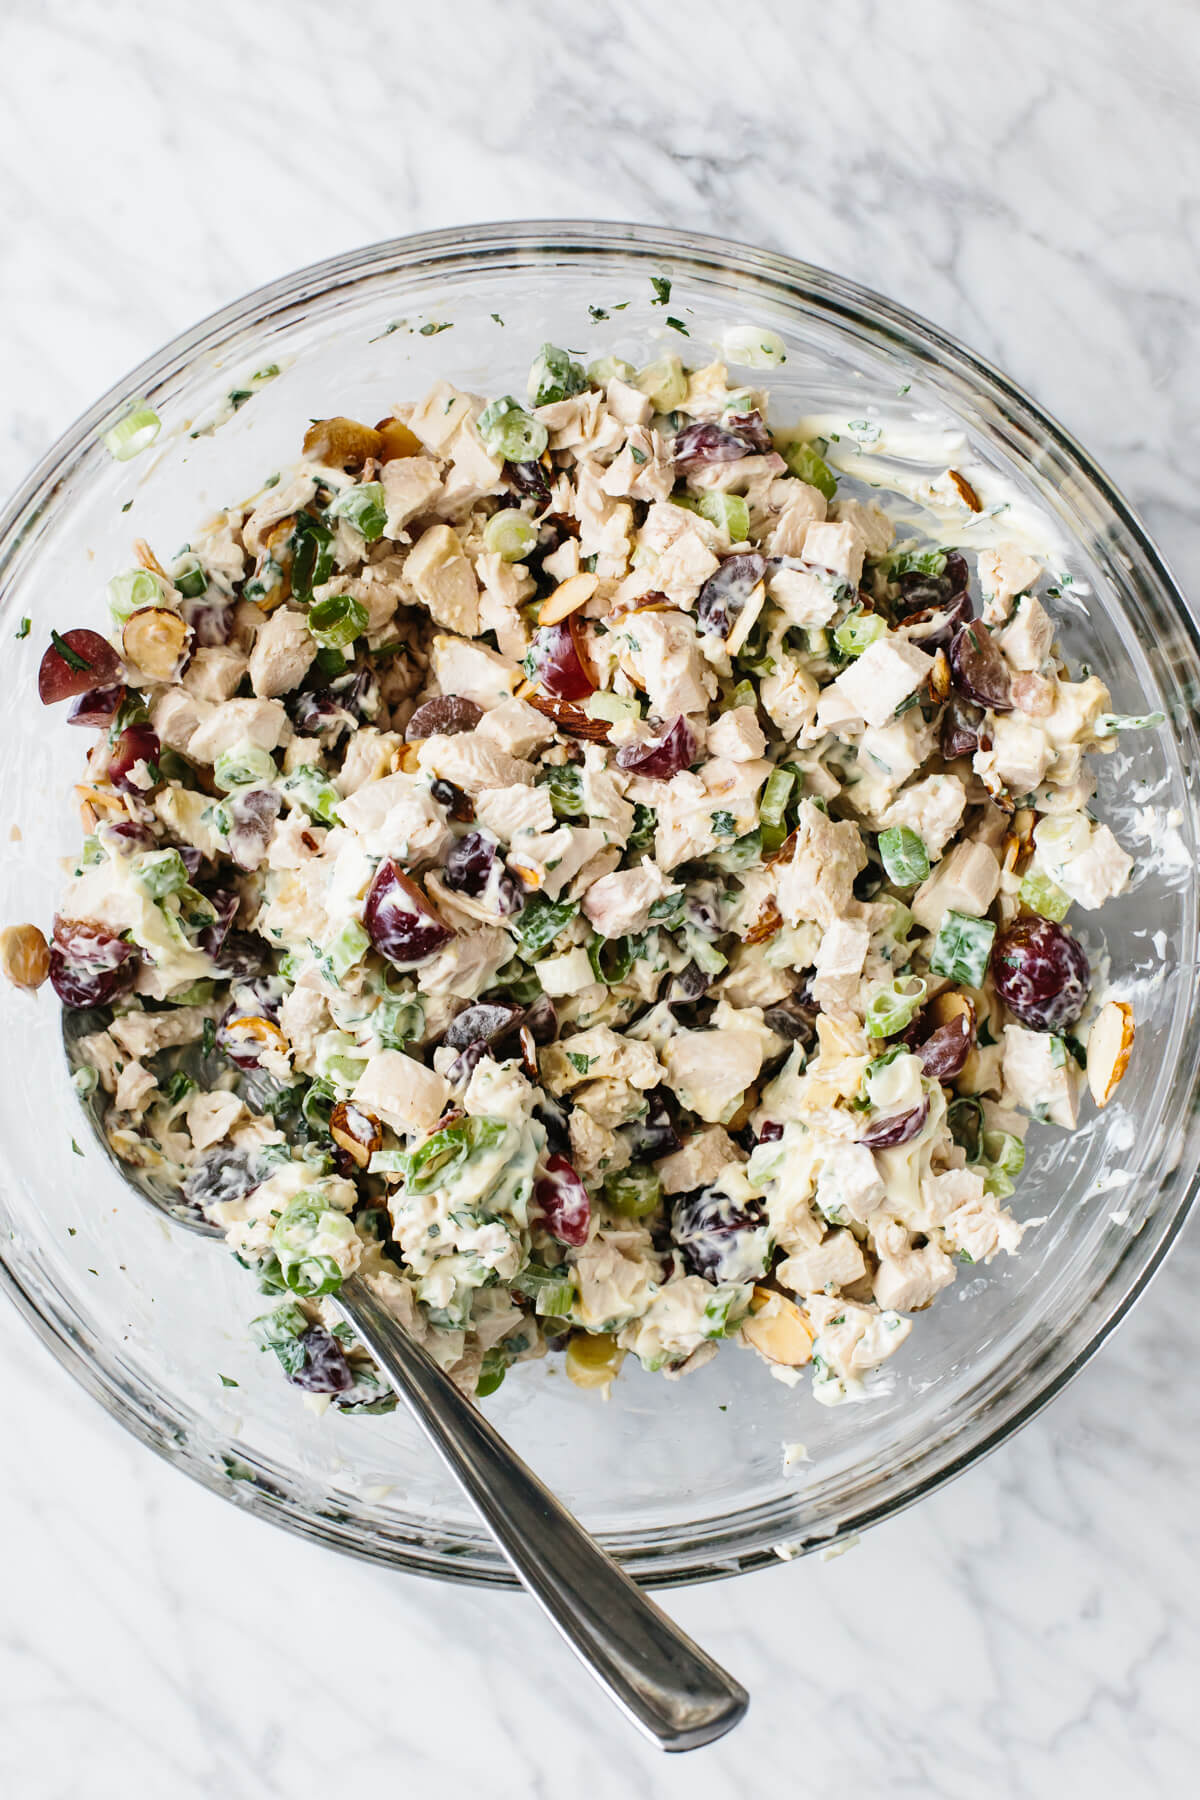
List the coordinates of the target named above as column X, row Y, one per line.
column 683, row 1480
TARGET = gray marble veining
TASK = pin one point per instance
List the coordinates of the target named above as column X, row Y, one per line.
column 1025, row 176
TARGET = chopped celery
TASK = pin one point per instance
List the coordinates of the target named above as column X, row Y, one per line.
column 895, row 1006
column 663, row 382
column 243, row 766
column 1041, row 895
column 634, row 1191
column 858, row 632
column 336, row 622
column 613, row 707
column 365, row 507
column 133, row 433
column 807, row 464
column 962, row 948
column 610, row 368
column 728, row 512
column 511, row 433
column 509, row 535
column 554, row 377
column 160, row 872
column 904, row 856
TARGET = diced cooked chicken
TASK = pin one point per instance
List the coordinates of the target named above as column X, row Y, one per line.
column 402, row 1091
column 595, row 1150
column 473, row 671
column 211, row 1117
column 512, row 812
column 681, row 549
column 836, row 1262
column 214, row 673
column 282, row 654
column 1041, row 1076
column 807, row 598
column 883, row 677
column 699, row 1161
column 439, row 416
column 966, row 881
column 849, row 1186
column 789, row 696
column 443, row 580
column 932, row 807
column 472, row 762
column 604, row 523
column 628, row 404
column 817, row 882
column 597, row 1052
column 838, row 547
column 467, row 964
column 506, row 587
column 840, row 961
column 177, row 716
column 262, row 723
column 1085, row 860
column 370, row 755
column 800, row 506
column 644, row 470
column 852, row 1340
column 619, row 904
column 664, row 652
column 397, row 816
column 871, row 523
column 1019, row 754
column 737, row 735
column 409, row 486
column 143, row 1034
column 516, row 728
column 711, row 1069
column 1027, row 639
column 1003, row 574
column 908, row 1277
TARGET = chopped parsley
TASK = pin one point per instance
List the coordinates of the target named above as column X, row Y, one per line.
column 228, row 1381
column 22, row 630
column 678, row 325
column 433, row 326
column 662, row 290
column 598, row 313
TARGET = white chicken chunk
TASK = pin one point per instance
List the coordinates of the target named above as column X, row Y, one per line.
column 402, row 1092
column 838, row 547
column 620, row 903
column 664, row 652
column 443, row 580
column 262, row 723
column 879, row 680
column 1041, row 1076
column 409, row 486
column 282, row 653
column 473, row 671
column 966, row 881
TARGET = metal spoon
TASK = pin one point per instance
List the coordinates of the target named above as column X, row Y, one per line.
column 675, row 1694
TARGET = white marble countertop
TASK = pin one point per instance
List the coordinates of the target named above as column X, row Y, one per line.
column 1024, row 175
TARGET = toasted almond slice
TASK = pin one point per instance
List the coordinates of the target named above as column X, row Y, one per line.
column 253, row 1033
column 341, row 443
column 742, row 1116
column 24, row 956
column 766, row 925
column 568, row 597
column 939, row 678
column 96, row 800
column 778, row 1329
column 409, row 757
column 154, row 640
column 1109, row 1044
column 148, row 560
column 746, row 620
column 570, row 719
column 356, row 1131
column 965, row 491
column 949, row 1005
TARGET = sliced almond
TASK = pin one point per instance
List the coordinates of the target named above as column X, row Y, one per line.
column 148, row 560
column 742, row 1116
column 939, row 678
column 24, row 956
column 155, row 640
column 410, row 758
column 94, row 801
column 950, row 1005
column 777, row 1329
column 768, row 922
column 1109, row 1044
column 965, row 491
column 355, row 1131
column 568, row 597
column 746, row 620
column 570, row 719
column 252, row 1036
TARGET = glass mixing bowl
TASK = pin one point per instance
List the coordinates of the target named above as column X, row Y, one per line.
column 681, row 1480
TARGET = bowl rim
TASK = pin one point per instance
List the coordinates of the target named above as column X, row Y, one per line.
column 872, row 315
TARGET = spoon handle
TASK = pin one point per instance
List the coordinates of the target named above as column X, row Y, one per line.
column 663, row 1682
